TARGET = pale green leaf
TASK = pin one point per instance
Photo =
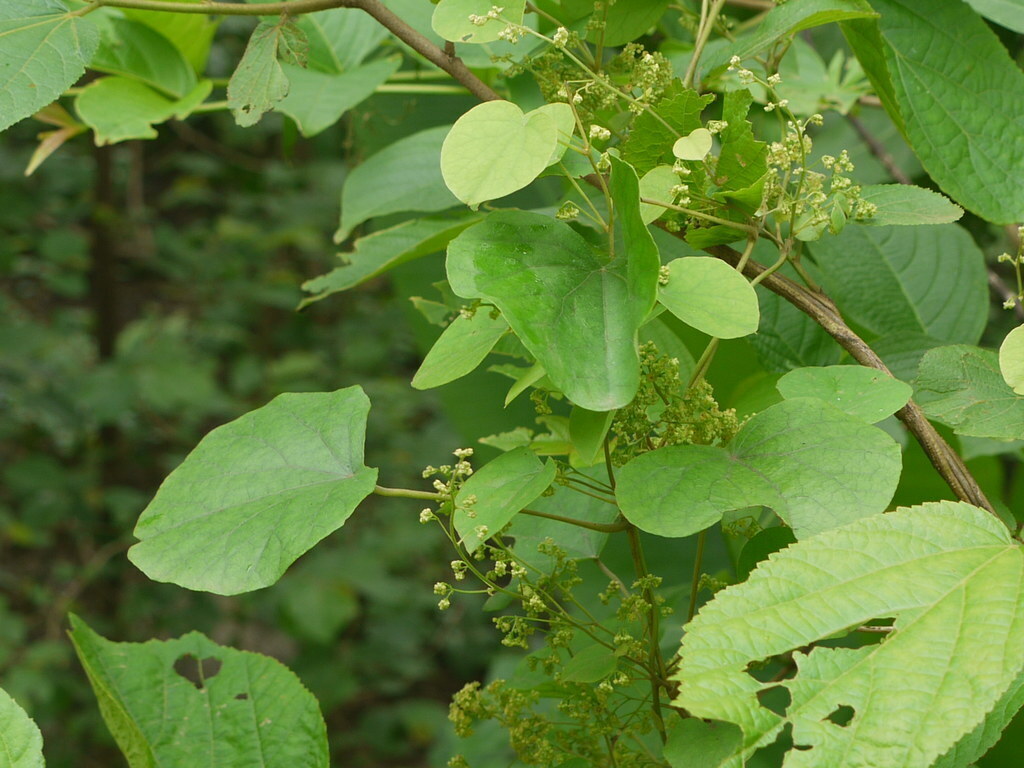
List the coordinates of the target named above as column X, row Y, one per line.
column 188, row 103
column 502, row 487
column 462, row 346
column 404, row 176
column 588, row 430
column 946, row 78
column 983, row 737
column 650, row 139
column 257, row 493
column 43, row 51
column 191, row 33
column 657, row 184
column 190, row 702
column 1011, row 359
column 565, row 124
column 451, row 19
column 317, row 100
column 259, row 82
column 711, row 296
column 695, row 743
column 905, row 204
column 928, row 280
column 375, row 254
column 1006, row 13
column 524, row 380
column 816, row 466
column 627, row 21
column 963, row 388
column 941, row 571
column 340, row 38
column 135, row 50
column 494, row 150
column 694, row 146
column 864, row 393
column 21, row 743
column 120, row 108
column 574, row 310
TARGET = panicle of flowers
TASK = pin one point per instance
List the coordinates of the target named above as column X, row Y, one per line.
column 480, row 20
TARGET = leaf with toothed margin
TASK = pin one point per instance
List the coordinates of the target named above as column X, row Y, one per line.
column 21, row 743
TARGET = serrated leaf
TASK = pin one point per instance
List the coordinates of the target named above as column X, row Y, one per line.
column 946, row 78
column 259, row 82
column 404, row 176
column 1006, row 13
column 451, row 19
column 1011, row 359
column 133, row 49
column 864, row 393
column 940, row 570
column 21, row 743
column 742, row 160
column 905, row 204
column 462, row 346
column 494, row 149
column 257, row 493
column 188, row 702
column 962, row 387
column 650, row 139
column 975, row 744
column 43, row 51
column 119, row 108
column 502, row 487
column 381, row 251
column 928, row 280
column 575, row 310
column 817, row 467
column 317, row 100
column 711, row 296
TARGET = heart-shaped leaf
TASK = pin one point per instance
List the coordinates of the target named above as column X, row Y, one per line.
column 695, row 146
column 1011, row 359
column 452, row 19
column 864, row 393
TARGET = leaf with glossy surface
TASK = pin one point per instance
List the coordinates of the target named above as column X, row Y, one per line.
column 947, row 79
column 494, row 150
column 43, row 51
column 451, row 19
column 21, row 743
column 711, row 296
column 905, row 205
column 257, row 493
column 1011, row 359
column 588, row 430
column 817, row 467
column 502, row 487
column 119, row 109
column 941, row 570
column 133, row 49
column 460, row 349
column 928, row 280
column 962, row 387
column 404, row 176
column 864, row 393
column 188, row 702
column 259, row 82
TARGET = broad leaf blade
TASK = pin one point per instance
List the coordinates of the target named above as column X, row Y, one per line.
column 259, row 82
column 451, row 20
column 460, row 349
column 120, row 108
column 21, row 743
column 188, row 702
column 1011, row 359
column 906, row 205
column 864, row 393
column 711, row 296
column 341, row 38
column 191, row 33
column 257, row 493
column 1006, row 13
column 133, row 49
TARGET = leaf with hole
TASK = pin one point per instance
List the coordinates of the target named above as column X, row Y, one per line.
column 259, row 82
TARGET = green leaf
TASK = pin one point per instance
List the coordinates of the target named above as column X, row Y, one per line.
column 574, row 310
column 627, row 21
column 742, row 161
column 404, row 176
column 946, row 79
column 502, row 487
column 133, row 49
column 188, row 702
column 257, row 493
column 340, row 39
column 451, row 19
column 963, row 388
column 43, row 51
column 259, row 82
column 786, row 338
column 460, row 349
column 588, row 430
column 760, row 546
column 375, row 254
column 928, row 279
column 864, row 393
column 694, row 146
column 657, row 184
column 650, row 139
column 1011, row 359
column 1006, row 13
column 970, row 748
column 905, row 204
column 817, row 467
column 711, row 296
column 592, row 664
column 317, row 100
column 694, row 743
column 941, row 570
column 21, row 743
column 494, row 150
column 190, row 33
column 119, row 109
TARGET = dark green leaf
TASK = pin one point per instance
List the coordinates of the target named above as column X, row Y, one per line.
column 133, row 49
column 650, row 140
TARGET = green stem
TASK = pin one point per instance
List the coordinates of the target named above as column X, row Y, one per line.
column 702, row 365
column 599, row 527
column 655, row 663
column 706, row 25
column 406, row 493
column 697, row 561
column 704, row 216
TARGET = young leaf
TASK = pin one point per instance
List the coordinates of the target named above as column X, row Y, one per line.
column 945, row 77
column 257, row 493
column 259, row 82
column 942, row 570
column 460, row 349
column 43, row 51
column 963, row 388
column 494, row 150
column 817, row 467
column 188, row 702
column 404, row 176
column 1011, row 359
column 694, row 146
column 657, row 184
column 905, row 204
column 451, row 19
column 864, row 393
column 648, row 141
column 928, row 279
column 502, row 488
column 133, row 49
column 711, row 296
column 21, row 743
column 119, row 109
